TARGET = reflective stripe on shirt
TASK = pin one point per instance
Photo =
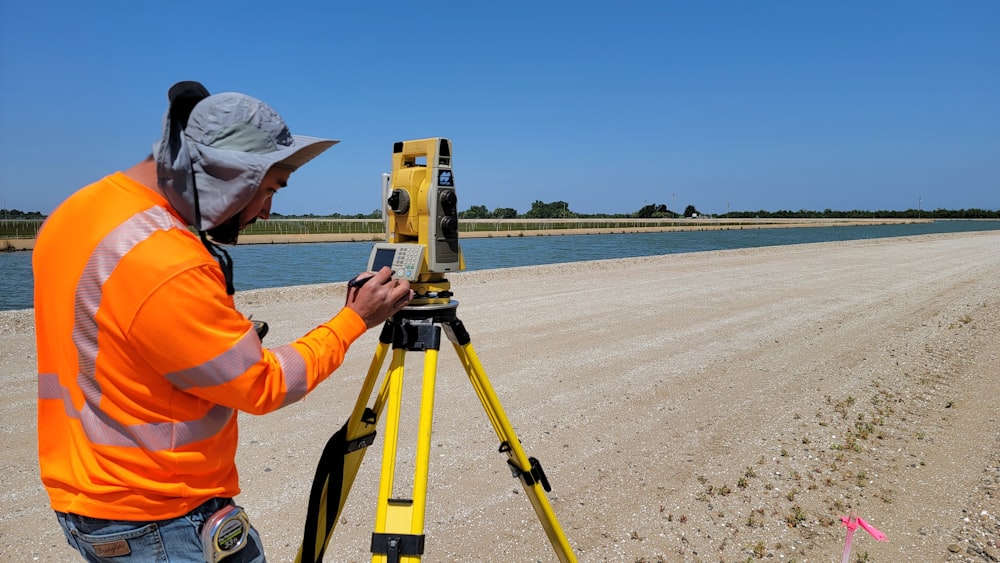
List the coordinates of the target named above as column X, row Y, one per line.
column 153, row 436
column 223, row 368
column 296, row 374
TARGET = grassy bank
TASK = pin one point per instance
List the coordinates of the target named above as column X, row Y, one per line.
column 375, row 226
column 20, row 234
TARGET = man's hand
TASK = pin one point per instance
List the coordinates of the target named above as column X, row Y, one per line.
column 376, row 297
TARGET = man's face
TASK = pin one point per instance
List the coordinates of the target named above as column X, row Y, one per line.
column 260, row 206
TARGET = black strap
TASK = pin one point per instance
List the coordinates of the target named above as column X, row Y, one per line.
column 329, row 472
column 220, row 254
column 182, row 97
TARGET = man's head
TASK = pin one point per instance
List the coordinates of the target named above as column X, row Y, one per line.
column 216, row 154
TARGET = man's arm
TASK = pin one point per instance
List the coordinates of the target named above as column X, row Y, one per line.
column 189, row 330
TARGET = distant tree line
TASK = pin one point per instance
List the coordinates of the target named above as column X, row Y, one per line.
column 481, row 212
column 377, row 214
column 20, row 215
column 861, row 214
column 560, row 210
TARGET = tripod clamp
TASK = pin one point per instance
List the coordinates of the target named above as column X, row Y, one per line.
column 534, row 475
column 369, row 417
column 395, row 545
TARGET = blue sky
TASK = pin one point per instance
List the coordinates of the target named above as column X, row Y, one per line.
column 739, row 105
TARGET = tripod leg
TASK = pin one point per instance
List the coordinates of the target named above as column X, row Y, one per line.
column 399, row 523
column 394, row 399
column 528, row 470
column 362, row 423
column 359, row 432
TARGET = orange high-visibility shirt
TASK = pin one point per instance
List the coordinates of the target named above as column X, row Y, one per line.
column 143, row 359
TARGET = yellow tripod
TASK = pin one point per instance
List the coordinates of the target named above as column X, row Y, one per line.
column 399, row 523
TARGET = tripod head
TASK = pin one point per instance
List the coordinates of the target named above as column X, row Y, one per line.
column 420, row 208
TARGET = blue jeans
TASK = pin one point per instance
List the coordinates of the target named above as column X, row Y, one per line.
column 177, row 540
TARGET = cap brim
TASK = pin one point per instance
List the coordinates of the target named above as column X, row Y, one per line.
column 304, row 150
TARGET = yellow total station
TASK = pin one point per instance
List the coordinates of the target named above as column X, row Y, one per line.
column 422, row 208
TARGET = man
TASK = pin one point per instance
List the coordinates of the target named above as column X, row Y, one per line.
column 143, row 359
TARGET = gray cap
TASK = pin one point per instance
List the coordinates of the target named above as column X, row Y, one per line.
column 211, row 162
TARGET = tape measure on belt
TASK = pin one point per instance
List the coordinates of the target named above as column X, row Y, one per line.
column 224, row 533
